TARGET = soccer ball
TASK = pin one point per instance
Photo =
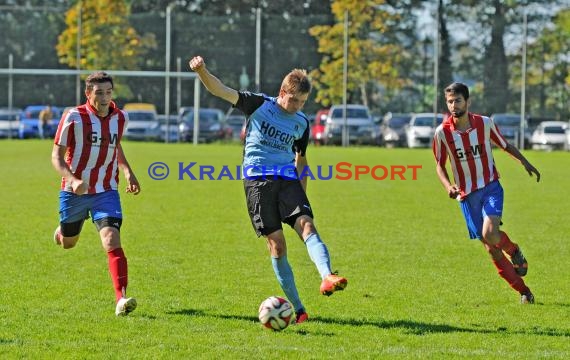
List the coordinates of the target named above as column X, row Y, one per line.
column 275, row 313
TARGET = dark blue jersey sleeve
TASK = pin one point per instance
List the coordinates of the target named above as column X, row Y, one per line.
column 248, row 102
column 300, row 146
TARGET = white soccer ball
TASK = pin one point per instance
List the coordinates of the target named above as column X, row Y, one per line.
column 275, row 313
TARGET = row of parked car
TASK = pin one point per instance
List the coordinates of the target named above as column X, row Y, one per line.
column 213, row 124
column 395, row 130
column 144, row 123
column 23, row 124
column 417, row 129
column 327, row 126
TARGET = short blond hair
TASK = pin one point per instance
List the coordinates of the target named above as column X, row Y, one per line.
column 297, row 81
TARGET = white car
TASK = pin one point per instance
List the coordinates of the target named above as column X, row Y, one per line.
column 143, row 122
column 9, row 123
column 420, row 130
column 143, row 125
column 568, row 138
column 550, row 135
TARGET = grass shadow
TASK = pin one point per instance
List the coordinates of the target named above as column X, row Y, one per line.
column 188, row 312
column 416, row 328
column 7, row 342
column 408, row 326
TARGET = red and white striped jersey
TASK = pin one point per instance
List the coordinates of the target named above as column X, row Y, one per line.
column 469, row 151
column 92, row 143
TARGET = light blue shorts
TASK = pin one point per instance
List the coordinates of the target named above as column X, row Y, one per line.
column 487, row 201
column 73, row 208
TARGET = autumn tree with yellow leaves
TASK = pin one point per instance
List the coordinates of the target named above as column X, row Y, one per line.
column 108, row 42
column 370, row 60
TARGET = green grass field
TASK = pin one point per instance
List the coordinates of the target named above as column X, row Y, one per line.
column 417, row 287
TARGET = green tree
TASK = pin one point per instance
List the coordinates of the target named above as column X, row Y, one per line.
column 548, row 75
column 107, row 40
column 445, row 70
column 414, row 67
column 489, row 23
column 237, row 8
column 28, row 34
column 496, row 70
column 369, row 60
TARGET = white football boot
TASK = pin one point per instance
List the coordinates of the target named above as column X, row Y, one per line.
column 125, row 306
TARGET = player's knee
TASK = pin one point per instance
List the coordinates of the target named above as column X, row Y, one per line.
column 70, row 233
column 493, row 249
column 276, row 246
column 279, row 251
column 109, row 232
column 304, row 219
column 309, row 227
column 69, row 242
column 110, row 238
column 491, row 235
column 305, row 224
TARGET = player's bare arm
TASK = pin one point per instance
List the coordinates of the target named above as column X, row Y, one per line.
column 78, row 186
column 301, row 163
column 514, row 152
column 212, row 83
column 133, row 185
column 452, row 190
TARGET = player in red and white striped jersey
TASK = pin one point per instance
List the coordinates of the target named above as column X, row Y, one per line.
column 87, row 153
column 94, row 158
column 465, row 138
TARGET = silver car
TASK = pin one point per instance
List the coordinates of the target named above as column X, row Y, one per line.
column 211, row 125
column 143, row 125
column 168, row 125
column 420, row 130
column 550, row 135
column 510, row 126
column 360, row 126
column 393, row 129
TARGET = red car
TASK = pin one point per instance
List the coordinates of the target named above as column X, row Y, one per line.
column 318, row 126
column 242, row 132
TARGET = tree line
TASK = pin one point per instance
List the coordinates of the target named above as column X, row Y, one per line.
column 392, row 49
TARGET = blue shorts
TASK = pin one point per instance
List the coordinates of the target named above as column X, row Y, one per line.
column 73, row 208
column 487, row 201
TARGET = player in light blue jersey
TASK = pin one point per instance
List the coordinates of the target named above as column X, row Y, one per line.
column 276, row 140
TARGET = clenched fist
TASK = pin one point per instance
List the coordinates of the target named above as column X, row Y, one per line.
column 197, row 63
